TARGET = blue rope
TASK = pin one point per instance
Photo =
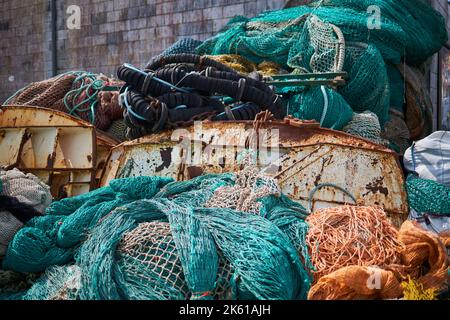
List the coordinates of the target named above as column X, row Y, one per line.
column 129, row 109
column 127, row 65
column 321, row 185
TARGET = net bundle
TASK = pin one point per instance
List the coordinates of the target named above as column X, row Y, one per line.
column 149, row 238
column 338, row 35
column 350, row 235
column 322, row 104
column 78, row 93
column 365, row 125
column 422, row 26
column 423, row 259
column 428, row 196
column 367, row 88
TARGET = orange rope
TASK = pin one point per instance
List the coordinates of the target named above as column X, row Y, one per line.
column 349, row 235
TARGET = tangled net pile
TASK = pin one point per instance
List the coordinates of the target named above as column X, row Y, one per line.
column 345, row 236
column 150, row 238
column 335, row 35
column 358, row 254
column 78, row 93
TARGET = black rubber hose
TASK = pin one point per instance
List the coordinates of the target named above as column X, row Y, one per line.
column 246, row 111
column 235, row 77
column 137, row 81
column 247, row 93
column 178, row 75
column 175, row 99
column 186, row 114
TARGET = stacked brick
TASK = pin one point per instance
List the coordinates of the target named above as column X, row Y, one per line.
column 111, row 32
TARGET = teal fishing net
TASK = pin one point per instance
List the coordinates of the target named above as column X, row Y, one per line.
column 397, row 88
column 53, row 238
column 428, row 196
column 365, row 125
column 315, row 38
column 424, row 28
column 367, row 87
column 213, row 237
column 322, row 104
column 411, row 29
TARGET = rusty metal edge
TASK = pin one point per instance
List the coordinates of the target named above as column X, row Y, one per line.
column 163, row 137
column 76, row 121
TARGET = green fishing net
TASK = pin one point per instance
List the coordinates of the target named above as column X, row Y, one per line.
column 428, row 196
column 213, row 237
column 322, row 104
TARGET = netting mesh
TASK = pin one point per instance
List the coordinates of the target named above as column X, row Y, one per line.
column 422, row 26
column 321, row 47
column 250, row 185
column 367, row 87
column 148, row 252
column 428, row 196
column 322, row 104
column 45, row 93
column 57, row 283
column 76, row 93
column 348, row 235
column 365, row 125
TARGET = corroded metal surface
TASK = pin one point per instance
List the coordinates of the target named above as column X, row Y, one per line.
column 300, row 155
column 63, row 151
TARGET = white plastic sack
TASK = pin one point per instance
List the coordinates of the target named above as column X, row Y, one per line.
column 431, row 222
column 431, row 157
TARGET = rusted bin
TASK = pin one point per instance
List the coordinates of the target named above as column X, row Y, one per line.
column 315, row 166
column 64, row 152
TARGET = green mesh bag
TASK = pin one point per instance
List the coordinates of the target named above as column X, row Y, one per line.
column 424, row 28
column 428, row 196
column 396, row 88
column 365, row 125
column 322, row 104
column 367, row 87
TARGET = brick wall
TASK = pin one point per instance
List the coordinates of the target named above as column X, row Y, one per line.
column 112, row 32
column 24, row 43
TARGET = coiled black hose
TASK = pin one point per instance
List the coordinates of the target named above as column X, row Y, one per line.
column 181, row 88
column 245, row 111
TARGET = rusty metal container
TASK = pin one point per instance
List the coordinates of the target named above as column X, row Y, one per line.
column 300, row 155
column 66, row 153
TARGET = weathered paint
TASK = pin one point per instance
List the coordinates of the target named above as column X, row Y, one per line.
column 300, row 155
column 63, row 151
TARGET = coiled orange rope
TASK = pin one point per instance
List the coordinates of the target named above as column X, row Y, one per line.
column 350, row 235
column 423, row 257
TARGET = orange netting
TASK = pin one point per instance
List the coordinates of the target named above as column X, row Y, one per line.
column 350, row 235
column 423, row 258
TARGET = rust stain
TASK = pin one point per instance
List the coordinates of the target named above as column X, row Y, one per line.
column 377, row 186
column 194, row 171
column 325, row 162
column 166, row 157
